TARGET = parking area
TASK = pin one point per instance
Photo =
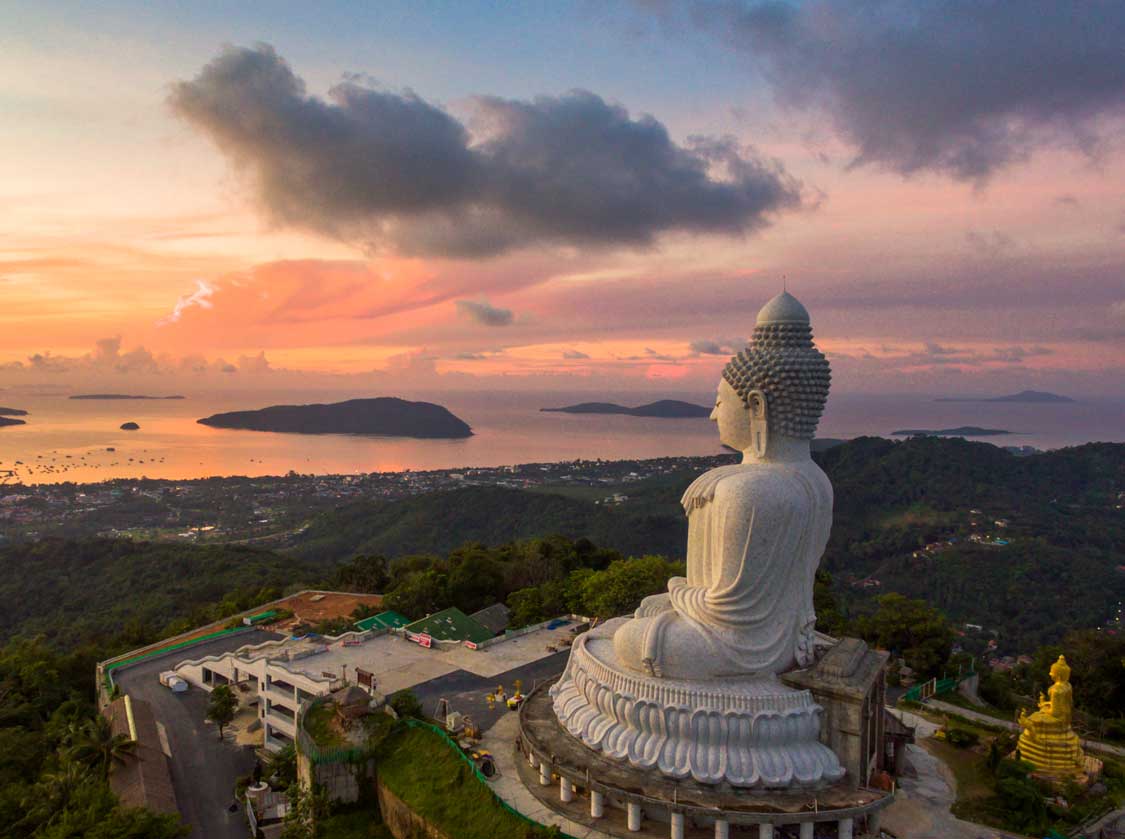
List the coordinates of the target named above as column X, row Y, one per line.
column 204, row 769
column 467, row 692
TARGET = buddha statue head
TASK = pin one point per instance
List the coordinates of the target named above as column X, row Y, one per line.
column 776, row 388
column 1060, row 671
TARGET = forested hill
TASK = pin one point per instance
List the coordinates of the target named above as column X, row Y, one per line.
column 898, row 507
column 1057, row 572
column 439, row 522
column 113, row 592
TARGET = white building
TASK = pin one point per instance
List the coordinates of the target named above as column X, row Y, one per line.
column 282, row 674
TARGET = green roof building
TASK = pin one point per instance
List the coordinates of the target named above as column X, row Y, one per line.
column 451, row 625
column 383, row 620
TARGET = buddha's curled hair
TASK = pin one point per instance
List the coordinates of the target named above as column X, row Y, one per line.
column 783, row 363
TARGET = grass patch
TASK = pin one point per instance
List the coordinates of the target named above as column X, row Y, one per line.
column 320, row 724
column 422, row 770
column 353, row 824
column 968, row 767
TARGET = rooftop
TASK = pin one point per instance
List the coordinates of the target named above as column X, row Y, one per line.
column 451, row 625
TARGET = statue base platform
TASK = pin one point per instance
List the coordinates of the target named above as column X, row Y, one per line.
column 751, row 732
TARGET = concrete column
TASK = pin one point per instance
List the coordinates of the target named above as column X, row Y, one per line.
column 873, row 823
column 633, row 815
column 566, row 790
column 845, row 831
column 765, row 831
column 807, row 830
column 597, row 804
column 722, row 829
column 544, row 774
column 677, row 826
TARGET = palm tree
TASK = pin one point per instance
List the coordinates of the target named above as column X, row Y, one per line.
column 52, row 794
column 96, row 746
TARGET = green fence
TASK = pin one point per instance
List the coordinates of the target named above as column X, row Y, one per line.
column 449, row 741
column 317, row 755
column 935, row 687
column 109, row 668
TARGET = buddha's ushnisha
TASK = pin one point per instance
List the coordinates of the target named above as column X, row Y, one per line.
column 756, row 530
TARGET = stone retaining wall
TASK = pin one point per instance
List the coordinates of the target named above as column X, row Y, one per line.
column 403, row 822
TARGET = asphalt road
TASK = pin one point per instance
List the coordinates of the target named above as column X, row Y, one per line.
column 203, row 768
column 466, row 691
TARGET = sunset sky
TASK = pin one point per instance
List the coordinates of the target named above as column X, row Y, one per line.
column 581, row 195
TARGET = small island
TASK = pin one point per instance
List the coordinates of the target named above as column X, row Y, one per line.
column 1032, row 396
column 130, row 426
column 663, row 409
column 384, row 416
column 12, row 412
column 960, row 431
column 9, row 421
column 119, row 396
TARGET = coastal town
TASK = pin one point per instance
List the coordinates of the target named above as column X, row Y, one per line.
column 270, row 510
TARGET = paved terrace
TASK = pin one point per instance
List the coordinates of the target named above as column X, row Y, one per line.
column 399, row 664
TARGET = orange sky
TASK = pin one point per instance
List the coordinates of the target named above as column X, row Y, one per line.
column 123, row 224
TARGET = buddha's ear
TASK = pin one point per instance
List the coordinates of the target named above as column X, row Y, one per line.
column 759, row 422
column 756, row 402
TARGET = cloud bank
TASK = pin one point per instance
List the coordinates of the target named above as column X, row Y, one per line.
column 389, row 169
column 961, row 88
column 485, row 313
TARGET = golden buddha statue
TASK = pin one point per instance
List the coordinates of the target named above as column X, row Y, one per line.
column 1047, row 741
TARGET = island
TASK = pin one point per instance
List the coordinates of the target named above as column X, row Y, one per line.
column 1034, row 396
column 385, row 416
column 663, row 409
column 119, row 396
column 12, row 412
column 8, row 421
column 959, row 431
column 130, row 426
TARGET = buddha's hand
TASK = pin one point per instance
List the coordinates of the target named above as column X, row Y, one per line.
column 676, row 582
column 654, row 604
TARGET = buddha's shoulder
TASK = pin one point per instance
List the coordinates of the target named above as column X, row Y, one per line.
column 764, row 481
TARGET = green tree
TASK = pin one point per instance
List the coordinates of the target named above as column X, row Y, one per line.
column 281, row 767
column 406, row 704
column 221, row 707
column 308, row 808
column 526, row 607
column 620, row 588
column 910, row 628
column 421, row 593
column 475, row 580
column 95, row 745
column 363, row 574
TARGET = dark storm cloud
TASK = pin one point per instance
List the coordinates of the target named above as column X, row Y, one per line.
column 963, row 87
column 485, row 313
column 389, row 168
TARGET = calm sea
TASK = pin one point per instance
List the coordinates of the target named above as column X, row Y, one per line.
column 69, row 440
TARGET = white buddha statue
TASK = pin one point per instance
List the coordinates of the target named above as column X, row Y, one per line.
column 756, row 530
column 688, row 685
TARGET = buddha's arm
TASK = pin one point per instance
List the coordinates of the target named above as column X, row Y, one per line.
column 719, row 544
